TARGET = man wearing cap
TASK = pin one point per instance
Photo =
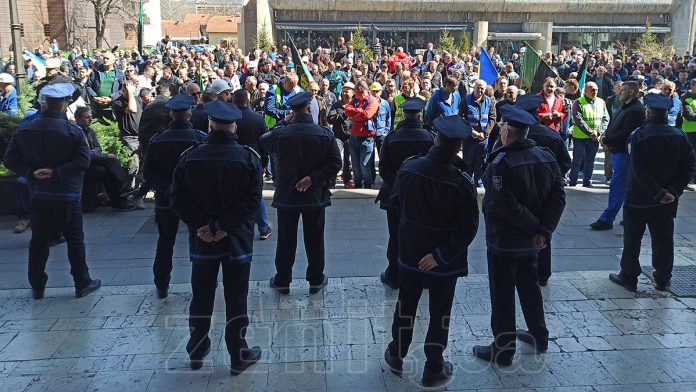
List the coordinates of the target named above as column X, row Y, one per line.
column 163, row 152
column 523, row 204
column 222, row 89
column 55, row 177
column 661, row 165
column 307, row 161
column 8, row 95
column 53, row 76
column 407, row 140
column 439, row 219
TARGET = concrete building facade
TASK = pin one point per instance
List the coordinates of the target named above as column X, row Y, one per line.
column 546, row 24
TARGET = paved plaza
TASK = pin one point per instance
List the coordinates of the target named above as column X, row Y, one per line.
column 122, row 338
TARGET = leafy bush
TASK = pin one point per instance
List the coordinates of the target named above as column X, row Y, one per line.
column 359, row 43
column 5, row 172
column 107, row 135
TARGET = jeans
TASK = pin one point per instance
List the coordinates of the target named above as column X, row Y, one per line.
column 474, row 153
column 23, row 199
column 362, row 155
column 617, row 187
column 379, row 139
column 261, row 220
column 345, row 153
column 584, row 153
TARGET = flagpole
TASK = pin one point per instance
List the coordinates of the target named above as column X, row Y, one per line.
column 140, row 28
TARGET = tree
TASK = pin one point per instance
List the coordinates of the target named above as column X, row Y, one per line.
column 446, row 42
column 466, row 45
column 263, row 38
column 359, row 43
column 103, row 9
column 651, row 47
column 173, row 9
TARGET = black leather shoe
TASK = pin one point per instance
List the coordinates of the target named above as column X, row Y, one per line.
column 93, row 286
column 251, row 356
column 316, row 289
column 37, row 293
column 389, row 283
column 396, row 364
column 163, row 292
column 431, row 378
column 662, row 286
column 543, row 282
column 616, row 278
column 197, row 363
column 56, row 242
column 282, row 290
column 601, row 225
column 541, row 345
column 488, row 354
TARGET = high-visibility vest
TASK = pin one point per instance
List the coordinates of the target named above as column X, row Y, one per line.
column 270, row 121
column 592, row 114
column 689, row 126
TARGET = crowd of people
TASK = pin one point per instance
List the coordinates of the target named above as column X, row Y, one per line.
column 204, row 126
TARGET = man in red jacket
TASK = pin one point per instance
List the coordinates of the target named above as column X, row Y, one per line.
column 361, row 145
column 552, row 111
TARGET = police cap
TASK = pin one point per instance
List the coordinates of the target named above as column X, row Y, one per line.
column 452, row 127
column 528, row 102
column 657, row 101
column 58, row 91
column 299, row 101
column 180, row 103
column 412, row 105
column 222, row 112
column 517, row 117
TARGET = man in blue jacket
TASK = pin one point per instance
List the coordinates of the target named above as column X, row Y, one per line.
column 443, row 102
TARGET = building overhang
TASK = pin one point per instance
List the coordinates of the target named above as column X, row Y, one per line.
column 514, row 36
column 610, row 29
column 348, row 26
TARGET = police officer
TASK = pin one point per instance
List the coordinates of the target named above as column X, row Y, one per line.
column 163, row 152
column 439, row 219
column 523, row 204
column 307, row 161
column 53, row 155
column 216, row 190
column 408, row 139
column 661, row 165
column 551, row 140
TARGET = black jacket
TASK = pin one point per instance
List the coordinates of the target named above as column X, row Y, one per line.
column 219, row 184
column 95, row 150
column 302, row 148
column 625, row 121
column 524, row 197
column 163, row 152
column 552, row 140
column 607, row 86
column 439, row 213
column 249, row 130
column 661, row 161
column 407, row 140
column 155, row 119
column 199, row 119
column 49, row 140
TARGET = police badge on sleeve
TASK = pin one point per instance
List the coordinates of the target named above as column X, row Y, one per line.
column 497, row 182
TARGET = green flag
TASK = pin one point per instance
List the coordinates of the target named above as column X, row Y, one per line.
column 534, row 71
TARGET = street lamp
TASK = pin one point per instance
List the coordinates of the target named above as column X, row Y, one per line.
column 15, row 26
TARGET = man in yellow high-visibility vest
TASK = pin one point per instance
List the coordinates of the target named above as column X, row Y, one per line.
column 591, row 118
column 276, row 108
column 689, row 117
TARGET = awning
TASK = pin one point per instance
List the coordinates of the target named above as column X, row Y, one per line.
column 514, row 36
column 610, row 29
column 347, row 26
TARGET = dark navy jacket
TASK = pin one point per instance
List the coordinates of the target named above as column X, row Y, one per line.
column 49, row 140
column 408, row 139
column 661, row 161
column 439, row 213
column 552, row 140
column 302, row 148
column 250, row 128
column 163, row 152
column 524, row 197
column 218, row 183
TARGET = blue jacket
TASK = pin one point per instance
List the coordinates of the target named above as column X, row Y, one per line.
column 279, row 113
column 673, row 113
column 33, row 146
column 9, row 104
column 381, row 122
column 438, row 107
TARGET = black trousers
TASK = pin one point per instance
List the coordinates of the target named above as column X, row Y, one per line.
column 544, row 262
column 507, row 272
column 392, row 272
column 235, row 280
column 441, row 297
column 660, row 222
column 167, row 227
column 109, row 172
column 46, row 215
column 313, row 222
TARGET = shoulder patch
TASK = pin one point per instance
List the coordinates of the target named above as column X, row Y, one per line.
column 498, row 158
column 253, row 151
column 497, row 182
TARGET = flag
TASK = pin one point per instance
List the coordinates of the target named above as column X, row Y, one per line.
column 582, row 75
column 487, row 70
column 200, row 75
column 38, row 62
column 140, row 29
column 534, row 71
column 300, row 67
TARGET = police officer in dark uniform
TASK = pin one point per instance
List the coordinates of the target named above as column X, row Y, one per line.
column 553, row 141
column 216, row 189
column 439, row 219
column 163, row 152
column 661, row 165
column 408, row 139
column 523, row 204
column 307, row 161
column 53, row 155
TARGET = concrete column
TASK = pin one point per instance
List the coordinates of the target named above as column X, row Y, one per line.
column 480, row 33
column 546, row 31
column 683, row 28
column 254, row 14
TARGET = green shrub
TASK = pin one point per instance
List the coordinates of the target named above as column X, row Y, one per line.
column 107, row 135
column 5, row 172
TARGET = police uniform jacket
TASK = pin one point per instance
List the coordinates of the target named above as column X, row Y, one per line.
column 302, row 148
column 408, row 139
column 218, row 183
column 524, row 197
column 661, row 161
column 49, row 140
column 155, row 119
column 163, row 152
column 552, row 140
column 250, row 128
column 445, row 228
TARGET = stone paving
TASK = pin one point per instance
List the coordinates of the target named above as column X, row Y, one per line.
column 122, row 338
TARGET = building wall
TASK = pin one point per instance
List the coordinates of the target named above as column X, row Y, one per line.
column 215, row 38
column 33, row 14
